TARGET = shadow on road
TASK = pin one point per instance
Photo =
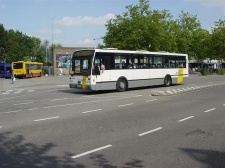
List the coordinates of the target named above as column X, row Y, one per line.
column 212, row 159
column 89, row 92
column 16, row 153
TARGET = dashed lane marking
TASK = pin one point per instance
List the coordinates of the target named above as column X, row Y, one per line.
column 151, row 100
column 63, row 85
column 185, row 118
column 47, row 118
column 210, row 110
column 91, row 151
column 6, row 92
column 22, row 103
column 126, row 105
column 91, row 111
column 151, row 131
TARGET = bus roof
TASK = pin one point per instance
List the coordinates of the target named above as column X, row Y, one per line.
column 28, row 62
column 114, row 50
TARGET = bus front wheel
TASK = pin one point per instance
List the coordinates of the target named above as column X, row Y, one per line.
column 121, row 85
column 167, row 81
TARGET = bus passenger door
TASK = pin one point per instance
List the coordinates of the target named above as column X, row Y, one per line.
column 103, row 76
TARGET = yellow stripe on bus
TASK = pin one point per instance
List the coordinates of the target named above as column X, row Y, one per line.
column 84, row 82
column 180, row 75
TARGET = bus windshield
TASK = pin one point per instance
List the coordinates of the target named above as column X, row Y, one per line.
column 82, row 62
column 1, row 69
column 17, row 65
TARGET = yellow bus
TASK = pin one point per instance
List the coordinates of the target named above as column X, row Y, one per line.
column 23, row 69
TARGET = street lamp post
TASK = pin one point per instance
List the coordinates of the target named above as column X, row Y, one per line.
column 97, row 40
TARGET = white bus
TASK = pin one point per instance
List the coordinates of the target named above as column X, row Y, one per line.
column 125, row 69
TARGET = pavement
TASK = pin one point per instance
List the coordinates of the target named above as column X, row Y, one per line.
column 6, row 84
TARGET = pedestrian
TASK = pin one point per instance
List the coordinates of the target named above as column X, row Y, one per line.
column 13, row 77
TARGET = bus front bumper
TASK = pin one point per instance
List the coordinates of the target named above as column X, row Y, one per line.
column 79, row 86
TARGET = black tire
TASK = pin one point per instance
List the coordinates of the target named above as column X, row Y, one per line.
column 167, row 81
column 121, row 85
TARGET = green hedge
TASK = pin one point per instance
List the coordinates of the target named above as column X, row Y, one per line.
column 211, row 71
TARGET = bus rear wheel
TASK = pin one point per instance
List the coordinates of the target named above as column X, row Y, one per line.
column 167, row 81
column 121, row 85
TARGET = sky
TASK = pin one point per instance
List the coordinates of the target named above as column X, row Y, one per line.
column 81, row 23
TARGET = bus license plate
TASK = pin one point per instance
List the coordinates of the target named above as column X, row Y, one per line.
column 78, row 86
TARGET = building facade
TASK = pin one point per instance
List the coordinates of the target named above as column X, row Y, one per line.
column 62, row 58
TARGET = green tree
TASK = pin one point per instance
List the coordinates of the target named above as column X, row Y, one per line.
column 141, row 28
column 19, row 46
column 2, row 43
column 218, row 40
column 199, row 47
column 128, row 31
column 37, row 55
column 187, row 24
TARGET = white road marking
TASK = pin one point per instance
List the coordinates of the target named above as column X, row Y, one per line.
column 185, row 118
column 148, row 132
column 91, row 111
column 6, row 93
column 30, row 94
column 63, row 105
column 63, row 85
column 19, row 91
column 125, row 105
column 11, row 112
column 30, row 91
column 210, row 110
column 0, row 126
column 91, row 151
column 94, row 101
column 9, row 90
column 88, row 96
column 22, row 103
column 33, row 109
column 59, row 99
column 47, row 118
column 151, row 100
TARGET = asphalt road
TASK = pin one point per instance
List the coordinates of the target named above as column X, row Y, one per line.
column 43, row 123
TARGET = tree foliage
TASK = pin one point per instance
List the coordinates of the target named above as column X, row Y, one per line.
column 218, row 40
column 140, row 28
column 16, row 46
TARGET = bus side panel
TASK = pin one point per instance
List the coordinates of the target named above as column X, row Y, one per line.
column 5, row 70
column 106, row 81
column 2, row 71
column 140, row 78
column 8, row 70
column 123, row 73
